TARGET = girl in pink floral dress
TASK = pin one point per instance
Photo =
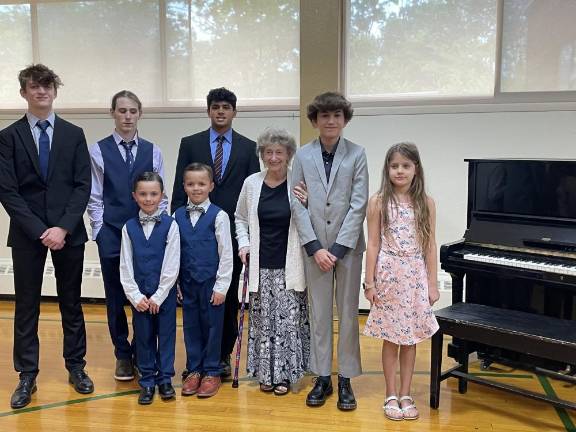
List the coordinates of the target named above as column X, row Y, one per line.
column 401, row 270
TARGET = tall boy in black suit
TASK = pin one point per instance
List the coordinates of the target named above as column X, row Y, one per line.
column 232, row 158
column 44, row 187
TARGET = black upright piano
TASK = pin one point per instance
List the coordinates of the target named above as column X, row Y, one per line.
column 519, row 247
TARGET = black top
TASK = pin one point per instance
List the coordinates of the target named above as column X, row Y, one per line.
column 328, row 159
column 274, row 218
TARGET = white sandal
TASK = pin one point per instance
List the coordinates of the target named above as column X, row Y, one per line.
column 392, row 411
column 408, row 407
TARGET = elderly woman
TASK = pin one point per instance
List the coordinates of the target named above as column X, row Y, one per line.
column 279, row 333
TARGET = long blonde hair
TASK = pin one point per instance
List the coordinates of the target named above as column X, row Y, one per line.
column 417, row 193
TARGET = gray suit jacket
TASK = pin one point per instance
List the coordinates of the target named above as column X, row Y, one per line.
column 336, row 208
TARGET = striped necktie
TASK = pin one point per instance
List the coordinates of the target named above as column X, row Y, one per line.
column 218, row 159
column 129, row 156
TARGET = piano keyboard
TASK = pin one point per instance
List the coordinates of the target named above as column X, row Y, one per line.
column 522, row 263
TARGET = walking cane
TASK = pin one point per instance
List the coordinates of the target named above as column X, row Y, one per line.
column 240, row 325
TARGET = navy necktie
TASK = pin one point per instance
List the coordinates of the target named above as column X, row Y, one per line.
column 43, row 147
column 129, row 156
column 218, row 159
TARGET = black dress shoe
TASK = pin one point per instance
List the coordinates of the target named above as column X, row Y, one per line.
column 23, row 393
column 346, row 400
column 166, row 391
column 146, row 395
column 82, row 382
column 321, row 390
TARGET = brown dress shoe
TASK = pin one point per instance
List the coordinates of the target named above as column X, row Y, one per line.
column 209, row 386
column 191, row 384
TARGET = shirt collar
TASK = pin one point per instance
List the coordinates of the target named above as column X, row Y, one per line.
column 204, row 204
column 227, row 135
column 142, row 214
column 118, row 139
column 32, row 119
column 333, row 148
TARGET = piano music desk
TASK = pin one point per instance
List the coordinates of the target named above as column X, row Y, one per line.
column 537, row 335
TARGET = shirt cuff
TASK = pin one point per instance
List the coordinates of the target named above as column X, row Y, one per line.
column 338, row 250
column 312, row 247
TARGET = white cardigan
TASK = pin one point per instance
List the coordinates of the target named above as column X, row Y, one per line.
column 248, row 235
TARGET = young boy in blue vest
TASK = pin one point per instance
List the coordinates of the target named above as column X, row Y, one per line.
column 149, row 266
column 205, row 275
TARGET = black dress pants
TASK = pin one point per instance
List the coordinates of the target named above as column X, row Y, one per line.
column 28, row 266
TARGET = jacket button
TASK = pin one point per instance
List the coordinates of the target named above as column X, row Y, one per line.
column 328, row 222
column 328, row 204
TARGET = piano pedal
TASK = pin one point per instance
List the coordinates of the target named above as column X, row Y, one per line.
column 485, row 364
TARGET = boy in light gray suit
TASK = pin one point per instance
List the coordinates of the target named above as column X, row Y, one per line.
column 331, row 230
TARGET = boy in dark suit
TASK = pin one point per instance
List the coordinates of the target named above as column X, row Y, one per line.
column 44, row 187
column 232, row 158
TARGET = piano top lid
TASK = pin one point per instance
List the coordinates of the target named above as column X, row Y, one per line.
column 518, row 160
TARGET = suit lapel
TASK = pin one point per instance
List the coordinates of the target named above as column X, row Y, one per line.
column 339, row 156
column 234, row 149
column 319, row 162
column 23, row 130
column 204, row 151
column 55, row 145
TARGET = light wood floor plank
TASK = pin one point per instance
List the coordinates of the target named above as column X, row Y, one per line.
column 114, row 407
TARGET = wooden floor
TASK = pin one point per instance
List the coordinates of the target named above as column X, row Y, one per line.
column 113, row 406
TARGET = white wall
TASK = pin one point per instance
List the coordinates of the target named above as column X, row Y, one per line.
column 445, row 137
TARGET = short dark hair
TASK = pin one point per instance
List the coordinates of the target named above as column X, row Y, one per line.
column 148, row 176
column 40, row 74
column 329, row 101
column 127, row 94
column 221, row 94
column 197, row 166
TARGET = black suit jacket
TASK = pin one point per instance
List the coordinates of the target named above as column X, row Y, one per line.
column 34, row 204
column 243, row 162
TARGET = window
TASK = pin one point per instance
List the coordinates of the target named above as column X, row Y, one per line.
column 433, row 49
column 539, row 46
column 170, row 53
column 421, row 48
column 15, row 51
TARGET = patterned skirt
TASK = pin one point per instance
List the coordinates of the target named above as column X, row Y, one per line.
column 278, row 332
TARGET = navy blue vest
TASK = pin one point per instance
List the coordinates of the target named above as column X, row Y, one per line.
column 148, row 254
column 119, row 206
column 199, row 257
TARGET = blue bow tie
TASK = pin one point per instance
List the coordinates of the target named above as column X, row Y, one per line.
column 195, row 208
column 146, row 219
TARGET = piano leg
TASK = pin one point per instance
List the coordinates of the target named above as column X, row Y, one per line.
column 463, row 361
column 436, row 369
column 457, row 287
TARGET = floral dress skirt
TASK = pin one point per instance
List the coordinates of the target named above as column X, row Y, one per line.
column 278, row 331
column 403, row 314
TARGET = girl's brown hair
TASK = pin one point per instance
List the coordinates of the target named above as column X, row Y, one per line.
column 417, row 193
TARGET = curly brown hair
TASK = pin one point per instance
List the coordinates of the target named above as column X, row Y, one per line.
column 40, row 74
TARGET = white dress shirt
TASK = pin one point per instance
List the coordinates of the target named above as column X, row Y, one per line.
column 224, row 239
column 96, row 203
column 170, row 264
